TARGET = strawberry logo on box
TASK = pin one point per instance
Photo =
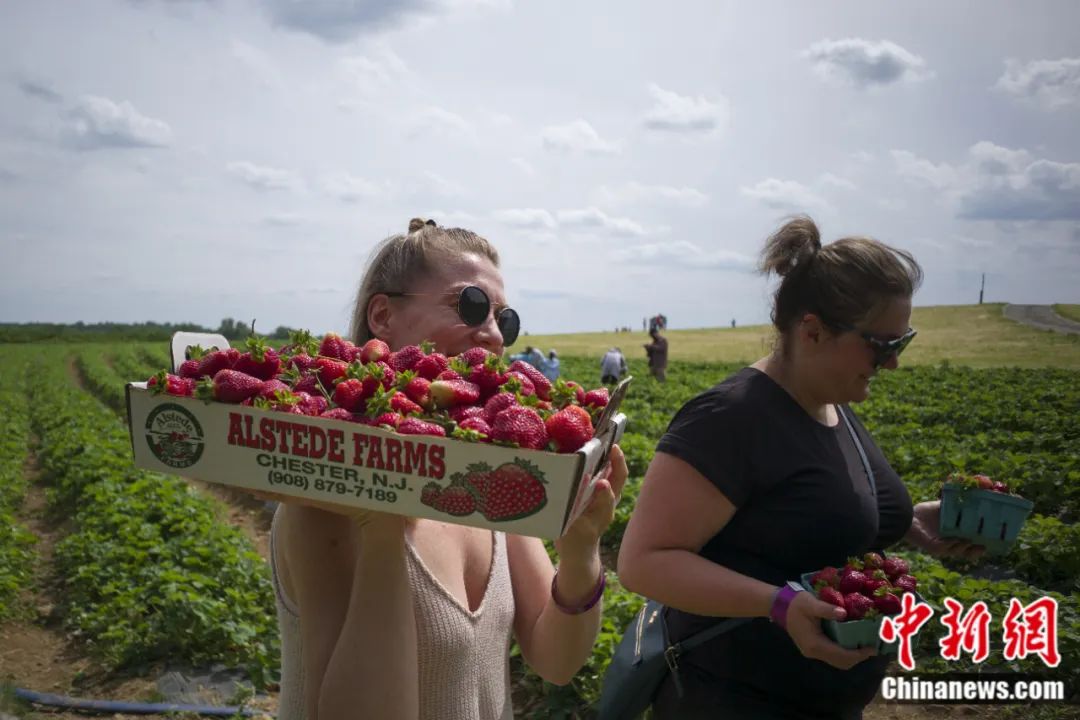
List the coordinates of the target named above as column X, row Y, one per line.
column 511, row 491
column 174, row 436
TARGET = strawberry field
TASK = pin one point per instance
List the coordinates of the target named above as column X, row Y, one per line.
column 149, row 569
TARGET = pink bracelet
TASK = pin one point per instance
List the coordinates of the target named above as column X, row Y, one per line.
column 598, row 593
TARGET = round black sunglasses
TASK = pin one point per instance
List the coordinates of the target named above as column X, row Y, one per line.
column 473, row 306
column 885, row 349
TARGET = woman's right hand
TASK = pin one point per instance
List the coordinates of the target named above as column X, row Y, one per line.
column 804, row 617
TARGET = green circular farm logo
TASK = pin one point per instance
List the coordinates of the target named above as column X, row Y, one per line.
column 174, row 436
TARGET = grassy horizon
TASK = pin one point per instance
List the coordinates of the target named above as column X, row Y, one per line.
column 971, row 335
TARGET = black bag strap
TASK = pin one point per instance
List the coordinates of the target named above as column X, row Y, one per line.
column 709, row 633
column 862, row 453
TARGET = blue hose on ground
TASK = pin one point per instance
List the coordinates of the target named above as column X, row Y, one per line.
column 113, row 706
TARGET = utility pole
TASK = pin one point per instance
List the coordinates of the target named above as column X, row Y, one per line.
column 981, row 288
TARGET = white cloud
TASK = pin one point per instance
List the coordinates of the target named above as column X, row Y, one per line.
column 366, row 77
column 910, row 166
column 97, row 122
column 862, row 156
column 784, row 195
column 682, row 253
column 679, row 113
column 257, row 62
column 633, row 193
column 284, row 220
column 526, row 218
column 865, row 63
column 594, row 218
column 441, row 186
column 265, row 178
column 576, row 136
column 1050, row 83
column 999, row 183
column 349, row 188
column 439, row 121
column 836, row 181
column 524, row 166
column 452, row 218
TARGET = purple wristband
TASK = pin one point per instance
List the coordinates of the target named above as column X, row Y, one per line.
column 598, row 593
column 781, row 601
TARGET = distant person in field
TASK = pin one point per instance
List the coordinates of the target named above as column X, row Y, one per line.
column 612, row 366
column 657, row 352
column 387, row 617
column 551, row 366
column 759, row 479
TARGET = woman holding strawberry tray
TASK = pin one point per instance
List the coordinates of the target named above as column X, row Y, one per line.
column 769, row 475
column 387, row 617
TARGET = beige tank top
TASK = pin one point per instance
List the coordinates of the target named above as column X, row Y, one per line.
column 464, row 657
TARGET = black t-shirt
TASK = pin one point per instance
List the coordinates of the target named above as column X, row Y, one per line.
column 803, row 501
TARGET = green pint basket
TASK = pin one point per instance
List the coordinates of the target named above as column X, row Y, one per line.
column 854, row 634
column 983, row 517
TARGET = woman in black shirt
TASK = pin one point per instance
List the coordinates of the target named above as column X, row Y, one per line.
column 758, row 480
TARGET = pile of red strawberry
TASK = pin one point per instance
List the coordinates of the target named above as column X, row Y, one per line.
column 977, row 482
column 414, row 391
column 865, row 588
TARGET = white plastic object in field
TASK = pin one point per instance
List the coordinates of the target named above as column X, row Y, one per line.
column 182, row 341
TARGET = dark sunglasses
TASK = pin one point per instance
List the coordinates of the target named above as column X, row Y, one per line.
column 884, row 348
column 473, row 306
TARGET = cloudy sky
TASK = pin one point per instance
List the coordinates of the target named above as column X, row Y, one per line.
column 188, row 160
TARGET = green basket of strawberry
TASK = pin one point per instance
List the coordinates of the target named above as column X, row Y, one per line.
column 869, row 589
column 981, row 510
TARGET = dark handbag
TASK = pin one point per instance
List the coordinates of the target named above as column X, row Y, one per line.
column 643, row 659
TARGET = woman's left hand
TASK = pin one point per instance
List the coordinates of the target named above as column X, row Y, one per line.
column 924, row 535
column 583, row 535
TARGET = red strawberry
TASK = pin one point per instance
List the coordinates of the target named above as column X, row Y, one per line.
column 189, row 369
column 449, row 375
column 308, row 384
column 497, row 403
column 541, row 383
column 456, row 500
column 330, row 370
column 907, row 583
column 566, row 392
column 259, row 361
column 831, row 595
column 336, row 347
column 487, row 376
column 271, row 387
column 477, row 425
column 218, row 360
column 450, row 393
column 418, row 389
column 829, row 576
column 872, row 561
column 857, row 605
column 301, row 362
column 374, row 350
column 463, row 412
column 338, row 414
column 520, row 426
column 513, row 490
column 400, row 403
column 598, row 398
column 885, row 602
column 569, row 428
column 853, row 582
column 406, row 358
column 515, row 381
column 230, row 386
column 476, row 356
column 853, row 564
column 392, row 419
column 984, row 482
column 416, row 426
column 894, row 567
column 431, row 366
column 171, row 384
column 313, row 405
column 1000, row 487
column 874, row 582
column 430, row 494
column 350, row 394
column 476, row 479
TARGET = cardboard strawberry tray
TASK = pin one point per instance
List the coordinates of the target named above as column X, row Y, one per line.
column 527, row 492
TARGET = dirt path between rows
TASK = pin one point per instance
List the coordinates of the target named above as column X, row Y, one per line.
column 1042, row 317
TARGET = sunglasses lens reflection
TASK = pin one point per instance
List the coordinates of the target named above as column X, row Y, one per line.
column 509, row 325
column 473, row 306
